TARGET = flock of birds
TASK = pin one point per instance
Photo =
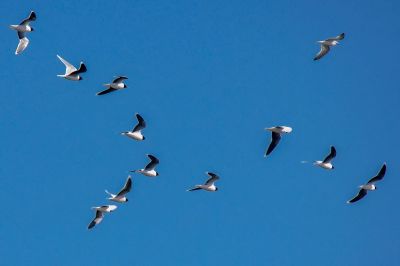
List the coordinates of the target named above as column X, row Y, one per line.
column 72, row 73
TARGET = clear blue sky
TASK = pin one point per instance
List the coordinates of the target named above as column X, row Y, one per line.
column 207, row 76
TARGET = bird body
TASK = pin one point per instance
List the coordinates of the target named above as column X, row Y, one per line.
column 326, row 163
column 149, row 170
column 120, row 197
column 116, row 84
column 23, row 28
column 328, row 166
column 208, row 185
column 71, row 73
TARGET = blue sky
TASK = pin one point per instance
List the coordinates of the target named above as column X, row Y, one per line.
column 208, row 77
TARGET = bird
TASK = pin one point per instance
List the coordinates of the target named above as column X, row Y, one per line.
column 22, row 29
column 100, row 214
column 136, row 132
column 120, row 196
column 326, row 44
column 326, row 163
column 149, row 169
column 209, row 184
column 116, row 84
column 370, row 186
column 71, row 72
column 276, row 136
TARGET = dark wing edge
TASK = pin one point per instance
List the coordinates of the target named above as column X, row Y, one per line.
column 330, row 156
column 212, row 179
column 141, row 123
column 152, row 164
column 106, row 91
column 379, row 176
column 276, row 137
column 324, row 50
column 361, row 194
column 127, row 187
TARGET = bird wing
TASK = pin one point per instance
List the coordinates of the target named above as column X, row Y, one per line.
column 212, row 179
column 106, row 91
column 23, row 43
column 276, row 137
column 193, row 189
column 152, row 164
column 32, row 17
column 127, row 187
column 141, row 123
column 69, row 68
column 82, row 69
column 361, row 194
column 96, row 220
column 330, row 156
column 119, row 79
column 379, row 176
column 324, row 50
column 337, row 38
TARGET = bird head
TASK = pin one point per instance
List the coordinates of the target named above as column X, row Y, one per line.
column 125, row 86
column 80, row 78
column 32, row 29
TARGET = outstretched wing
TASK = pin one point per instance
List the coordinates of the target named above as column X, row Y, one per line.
column 96, row 220
column 379, row 176
column 69, row 67
column 212, row 179
column 23, row 43
column 330, row 156
column 193, row 189
column 106, row 91
column 127, row 187
column 141, row 123
column 153, row 163
column 119, row 79
column 32, row 17
column 337, row 38
column 361, row 194
column 276, row 137
column 324, row 50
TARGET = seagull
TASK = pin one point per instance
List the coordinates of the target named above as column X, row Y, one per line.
column 22, row 28
column 100, row 214
column 136, row 132
column 370, row 185
column 276, row 136
column 71, row 72
column 120, row 197
column 209, row 185
column 326, row 163
column 326, row 44
column 149, row 169
column 116, row 84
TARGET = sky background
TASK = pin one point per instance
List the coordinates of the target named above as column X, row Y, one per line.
column 208, row 77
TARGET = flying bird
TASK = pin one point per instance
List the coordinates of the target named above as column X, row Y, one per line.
column 136, row 132
column 370, row 185
column 22, row 29
column 326, row 163
column 326, row 44
column 208, row 185
column 116, row 84
column 71, row 72
column 100, row 214
column 276, row 136
column 149, row 170
column 121, row 196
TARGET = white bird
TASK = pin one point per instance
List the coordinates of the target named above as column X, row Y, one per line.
column 100, row 214
column 370, row 185
column 149, row 169
column 71, row 72
column 116, row 84
column 23, row 28
column 276, row 136
column 326, row 44
column 208, row 185
column 326, row 163
column 136, row 132
column 120, row 196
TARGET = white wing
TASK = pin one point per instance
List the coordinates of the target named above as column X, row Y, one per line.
column 69, row 68
column 23, row 43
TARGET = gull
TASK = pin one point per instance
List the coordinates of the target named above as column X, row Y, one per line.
column 71, row 72
column 276, row 136
column 326, row 163
column 116, row 84
column 100, row 214
column 136, row 132
column 22, row 28
column 208, row 185
column 120, row 196
column 370, row 185
column 326, row 44
column 149, row 169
